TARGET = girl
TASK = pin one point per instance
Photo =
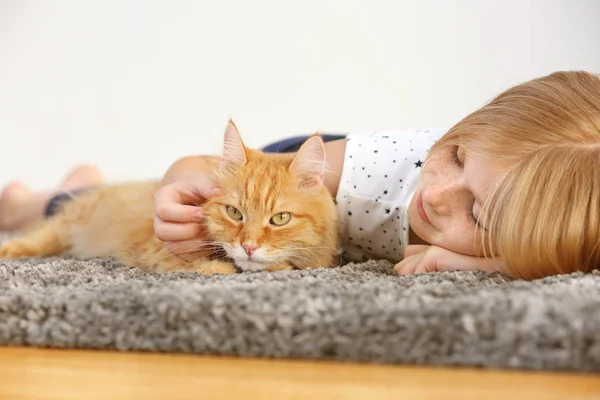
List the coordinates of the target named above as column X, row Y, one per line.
column 513, row 187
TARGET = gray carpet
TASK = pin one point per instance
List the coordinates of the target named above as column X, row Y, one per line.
column 360, row 312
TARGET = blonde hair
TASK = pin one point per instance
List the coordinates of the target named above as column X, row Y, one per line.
column 543, row 211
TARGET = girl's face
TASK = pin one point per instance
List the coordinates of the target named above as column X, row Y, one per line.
column 447, row 203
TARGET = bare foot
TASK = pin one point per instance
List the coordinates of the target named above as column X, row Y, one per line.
column 13, row 195
column 82, row 176
column 19, row 206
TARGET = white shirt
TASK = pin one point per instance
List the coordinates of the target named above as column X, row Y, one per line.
column 380, row 174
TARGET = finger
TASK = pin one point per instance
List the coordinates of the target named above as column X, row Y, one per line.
column 175, row 232
column 188, row 193
column 468, row 263
column 446, row 260
column 409, row 264
column 414, row 249
column 405, row 268
column 174, row 212
column 200, row 187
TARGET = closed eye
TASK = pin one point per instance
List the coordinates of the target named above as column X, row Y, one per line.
column 460, row 162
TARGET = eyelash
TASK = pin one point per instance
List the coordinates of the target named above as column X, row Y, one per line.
column 455, row 157
column 457, row 161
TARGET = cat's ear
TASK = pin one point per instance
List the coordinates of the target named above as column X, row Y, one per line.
column 234, row 151
column 309, row 162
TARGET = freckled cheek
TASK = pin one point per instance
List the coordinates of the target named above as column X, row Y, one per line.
column 439, row 184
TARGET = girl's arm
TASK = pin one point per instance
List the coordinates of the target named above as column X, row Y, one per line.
column 420, row 259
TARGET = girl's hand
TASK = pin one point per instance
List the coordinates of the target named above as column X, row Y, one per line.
column 420, row 259
column 177, row 215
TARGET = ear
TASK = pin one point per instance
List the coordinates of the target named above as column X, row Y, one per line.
column 234, row 153
column 309, row 162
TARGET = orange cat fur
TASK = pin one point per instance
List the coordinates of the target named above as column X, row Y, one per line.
column 274, row 204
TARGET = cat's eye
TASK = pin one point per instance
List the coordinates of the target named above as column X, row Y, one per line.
column 281, row 218
column 234, row 213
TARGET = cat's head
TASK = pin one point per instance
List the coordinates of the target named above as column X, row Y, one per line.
column 275, row 208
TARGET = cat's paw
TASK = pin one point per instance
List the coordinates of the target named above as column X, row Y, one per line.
column 215, row 267
column 15, row 249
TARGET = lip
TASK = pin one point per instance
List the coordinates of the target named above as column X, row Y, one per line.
column 421, row 210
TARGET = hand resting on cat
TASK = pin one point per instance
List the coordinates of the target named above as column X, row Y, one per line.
column 272, row 212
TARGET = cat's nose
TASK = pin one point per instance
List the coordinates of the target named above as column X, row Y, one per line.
column 250, row 248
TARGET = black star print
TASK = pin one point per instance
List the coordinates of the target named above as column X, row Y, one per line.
column 394, row 142
column 418, row 164
column 385, row 176
column 367, row 211
column 385, row 192
column 350, row 213
column 374, row 151
column 387, row 211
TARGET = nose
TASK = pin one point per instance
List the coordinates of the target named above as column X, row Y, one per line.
column 250, row 248
column 443, row 195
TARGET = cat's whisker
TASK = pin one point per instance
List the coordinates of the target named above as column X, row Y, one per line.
column 303, row 260
column 301, row 264
column 166, row 253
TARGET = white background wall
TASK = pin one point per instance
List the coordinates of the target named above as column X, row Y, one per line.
column 133, row 85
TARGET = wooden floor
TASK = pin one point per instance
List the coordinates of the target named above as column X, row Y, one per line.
column 27, row 373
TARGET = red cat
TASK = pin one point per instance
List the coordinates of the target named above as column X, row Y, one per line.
column 274, row 214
